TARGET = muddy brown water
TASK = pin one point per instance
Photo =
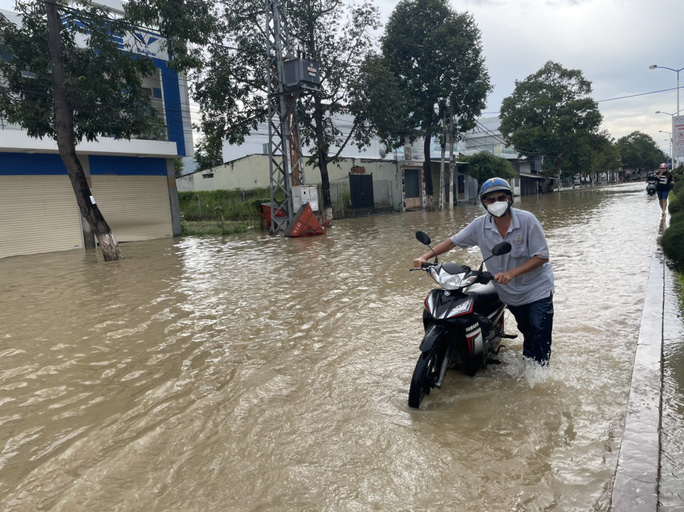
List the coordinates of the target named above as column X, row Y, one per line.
column 261, row 373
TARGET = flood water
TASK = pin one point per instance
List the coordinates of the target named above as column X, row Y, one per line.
column 261, row 373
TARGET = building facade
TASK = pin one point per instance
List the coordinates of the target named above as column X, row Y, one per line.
column 133, row 181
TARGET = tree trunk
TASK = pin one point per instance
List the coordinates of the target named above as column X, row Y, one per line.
column 442, row 183
column 452, row 161
column 322, row 158
column 427, row 172
column 66, row 141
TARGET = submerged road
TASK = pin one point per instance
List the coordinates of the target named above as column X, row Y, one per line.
column 252, row 372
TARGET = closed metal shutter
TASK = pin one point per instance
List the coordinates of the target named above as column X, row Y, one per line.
column 135, row 207
column 38, row 214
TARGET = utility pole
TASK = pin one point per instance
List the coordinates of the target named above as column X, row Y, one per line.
column 443, row 141
column 452, row 161
column 288, row 78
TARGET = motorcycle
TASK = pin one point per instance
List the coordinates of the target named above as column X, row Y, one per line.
column 651, row 186
column 463, row 322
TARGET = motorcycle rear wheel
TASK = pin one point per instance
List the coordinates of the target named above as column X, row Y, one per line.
column 425, row 375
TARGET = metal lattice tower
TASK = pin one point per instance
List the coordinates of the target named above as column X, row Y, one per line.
column 285, row 159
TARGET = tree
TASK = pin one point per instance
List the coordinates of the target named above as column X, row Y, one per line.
column 484, row 165
column 436, row 57
column 605, row 154
column 550, row 114
column 54, row 87
column 377, row 103
column 231, row 79
column 639, row 151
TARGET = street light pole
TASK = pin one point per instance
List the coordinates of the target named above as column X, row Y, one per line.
column 670, row 140
column 655, row 66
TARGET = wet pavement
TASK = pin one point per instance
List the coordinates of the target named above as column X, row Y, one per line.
column 638, row 486
column 636, row 480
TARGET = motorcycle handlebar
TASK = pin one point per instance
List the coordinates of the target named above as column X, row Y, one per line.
column 486, row 277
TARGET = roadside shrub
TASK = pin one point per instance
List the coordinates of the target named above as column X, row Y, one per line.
column 674, row 204
column 677, row 218
column 673, row 244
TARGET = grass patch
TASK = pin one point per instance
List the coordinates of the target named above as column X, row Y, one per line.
column 214, row 228
column 236, row 205
column 221, row 212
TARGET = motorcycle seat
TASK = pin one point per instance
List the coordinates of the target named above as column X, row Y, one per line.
column 485, row 297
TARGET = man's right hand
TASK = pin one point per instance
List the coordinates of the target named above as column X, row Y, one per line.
column 418, row 262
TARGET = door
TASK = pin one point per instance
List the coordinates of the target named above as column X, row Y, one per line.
column 135, row 207
column 38, row 214
column 412, row 189
column 361, row 189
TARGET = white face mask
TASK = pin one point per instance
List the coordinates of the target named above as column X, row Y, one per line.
column 498, row 209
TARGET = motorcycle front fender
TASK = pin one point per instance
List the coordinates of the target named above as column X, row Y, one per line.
column 433, row 334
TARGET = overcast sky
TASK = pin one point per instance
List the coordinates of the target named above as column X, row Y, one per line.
column 612, row 42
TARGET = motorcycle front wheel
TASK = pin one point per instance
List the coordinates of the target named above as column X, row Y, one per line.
column 425, row 375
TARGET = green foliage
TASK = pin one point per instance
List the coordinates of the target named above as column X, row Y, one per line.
column 678, row 178
column 236, row 205
column 483, row 165
column 672, row 240
column 673, row 244
column 178, row 167
column 640, row 151
column 103, row 84
column 232, row 79
column 674, row 204
column 435, row 55
column 551, row 114
column 187, row 26
column 215, row 228
column 605, row 154
column 209, row 152
column 377, row 101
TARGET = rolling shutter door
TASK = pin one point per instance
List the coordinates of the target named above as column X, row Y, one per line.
column 38, row 214
column 135, row 207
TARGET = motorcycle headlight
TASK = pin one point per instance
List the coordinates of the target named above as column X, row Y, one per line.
column 450, row 281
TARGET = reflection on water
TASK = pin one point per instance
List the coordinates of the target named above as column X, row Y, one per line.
column 262, row 373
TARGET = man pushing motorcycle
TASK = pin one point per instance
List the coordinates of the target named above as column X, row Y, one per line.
column 523, row 278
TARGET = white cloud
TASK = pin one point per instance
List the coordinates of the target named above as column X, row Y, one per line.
column 611, row 41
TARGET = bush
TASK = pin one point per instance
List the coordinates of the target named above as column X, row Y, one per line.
column 677, row 218
column 673, row 244
column 674, row 204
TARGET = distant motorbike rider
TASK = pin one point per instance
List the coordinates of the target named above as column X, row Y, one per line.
column 523, row 278
column 663, row 186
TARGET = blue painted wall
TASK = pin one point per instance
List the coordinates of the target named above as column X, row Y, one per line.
column 127, row 166
column 23, row 164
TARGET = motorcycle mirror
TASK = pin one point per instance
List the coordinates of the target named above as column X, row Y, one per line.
column 501, row 248
column 423, row 237
column 498, row 250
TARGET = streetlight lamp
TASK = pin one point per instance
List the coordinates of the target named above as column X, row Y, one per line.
column 655, row 66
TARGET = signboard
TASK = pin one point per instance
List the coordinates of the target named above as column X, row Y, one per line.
column 678, row 136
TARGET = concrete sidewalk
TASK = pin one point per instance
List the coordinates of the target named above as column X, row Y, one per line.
column 636, row 481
